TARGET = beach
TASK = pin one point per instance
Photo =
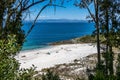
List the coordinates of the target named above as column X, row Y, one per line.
column 54, row 55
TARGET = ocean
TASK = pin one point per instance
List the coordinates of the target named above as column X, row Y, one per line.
column 48, row 32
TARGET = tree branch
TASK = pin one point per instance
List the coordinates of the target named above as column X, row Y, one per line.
column 89, row 11
column 49, row 4
column 32, row 4
column 36, row 19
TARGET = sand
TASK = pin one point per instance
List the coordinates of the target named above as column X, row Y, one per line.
column 51, row 56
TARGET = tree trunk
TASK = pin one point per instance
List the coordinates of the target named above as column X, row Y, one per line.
column 98, row 33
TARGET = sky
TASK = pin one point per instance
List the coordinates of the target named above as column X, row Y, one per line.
column 69, row 12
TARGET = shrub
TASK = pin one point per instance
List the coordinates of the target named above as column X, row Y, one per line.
column 50, row 76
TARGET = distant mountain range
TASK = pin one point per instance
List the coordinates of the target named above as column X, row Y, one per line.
column 59, row 20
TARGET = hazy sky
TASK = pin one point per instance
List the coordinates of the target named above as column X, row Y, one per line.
column 69, row 12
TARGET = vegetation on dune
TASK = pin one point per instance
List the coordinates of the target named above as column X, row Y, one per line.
column 50, row 75
column 83, row 39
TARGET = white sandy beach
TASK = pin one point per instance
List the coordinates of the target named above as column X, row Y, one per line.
column 58, row 54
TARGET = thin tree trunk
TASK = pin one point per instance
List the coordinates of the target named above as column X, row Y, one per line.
column 111, row 50
column 107, row 41
column 111, row 61
column 98, row 33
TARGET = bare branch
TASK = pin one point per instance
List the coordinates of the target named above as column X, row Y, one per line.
column 49, row 4
column 32, row 4
column 36, row 20
column 89, row 11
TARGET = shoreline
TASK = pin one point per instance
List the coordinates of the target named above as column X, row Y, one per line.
column 78, row 40
column 54, row 55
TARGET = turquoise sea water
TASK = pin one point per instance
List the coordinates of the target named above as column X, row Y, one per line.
column 44, row 33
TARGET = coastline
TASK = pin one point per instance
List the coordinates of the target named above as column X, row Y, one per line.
column 54, row 55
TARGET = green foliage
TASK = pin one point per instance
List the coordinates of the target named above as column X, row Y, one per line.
column 99, row 76
column 9, row 46
column 87, row 39
column 109, row 29
column 8, row 68
column 27, row 74
column 8, row 64
column 90, row 39
column 107, row 11
column 50, row 76
column 118, row 67
column 12, row 37
column 108, row 62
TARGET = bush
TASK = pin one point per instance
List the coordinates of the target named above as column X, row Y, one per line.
column 50, row 76
column 9, row 66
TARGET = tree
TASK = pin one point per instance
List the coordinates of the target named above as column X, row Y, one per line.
column 12, row 36
column 107, row 22
column 95, row 18
column 110, row 27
